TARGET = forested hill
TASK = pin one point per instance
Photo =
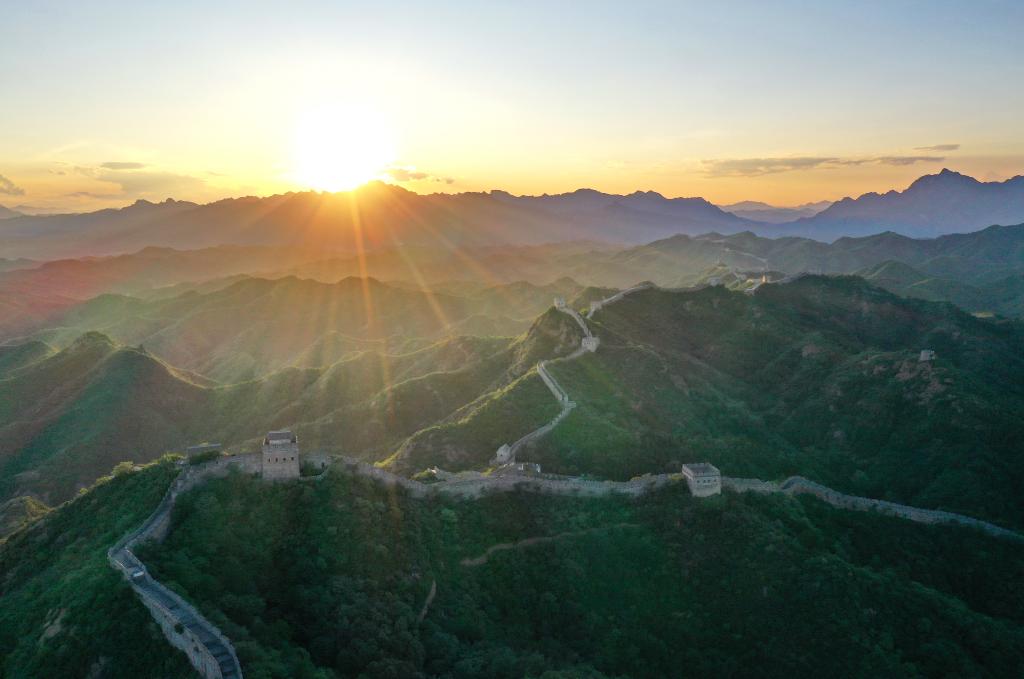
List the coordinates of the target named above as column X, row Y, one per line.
column 819, row 377
column 332, row 579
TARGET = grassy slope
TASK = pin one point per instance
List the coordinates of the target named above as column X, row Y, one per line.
column 57, row 569
column 334, row 574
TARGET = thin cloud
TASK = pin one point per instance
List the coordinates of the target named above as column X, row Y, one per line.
column 9, row 188
column 91, row 194
column 404, row 174
column 119, row 165
column 938, row 147
column 908, row 160
column 755, row 167
column 146, row 184
column 136, row 182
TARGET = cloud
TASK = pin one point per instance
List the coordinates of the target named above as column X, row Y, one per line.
column 9, row 188
column 132, row 181
column 118, row 165
column 405, row 174
column 908, row 160
column 752, row 167
column 755, row 167
column 91, row 194
column 938, row 147
column 140, row 184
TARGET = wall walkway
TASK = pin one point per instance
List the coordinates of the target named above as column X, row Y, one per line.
column 209, row 651
column 560, row 394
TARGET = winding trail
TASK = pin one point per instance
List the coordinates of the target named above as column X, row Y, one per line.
column 426, row 604
column 529, row 542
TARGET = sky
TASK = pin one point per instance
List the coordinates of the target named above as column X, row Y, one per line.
column 103, row 103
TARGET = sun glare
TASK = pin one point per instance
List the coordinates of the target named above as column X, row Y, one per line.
column 340, row 147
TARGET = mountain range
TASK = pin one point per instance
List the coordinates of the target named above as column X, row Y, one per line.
column 380, row 215
column 763, row 212
column 947, row 202
column 793, row 379
column 981, row 271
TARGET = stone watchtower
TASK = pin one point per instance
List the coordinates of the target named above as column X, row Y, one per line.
column 703, row 478
column 280, row 455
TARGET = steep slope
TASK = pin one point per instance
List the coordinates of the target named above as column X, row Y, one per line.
column 469, row 436
column 63, row 611
column 67, row 419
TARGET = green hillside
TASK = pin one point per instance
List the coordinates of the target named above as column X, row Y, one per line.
column 63, row 611
column 818, row 377
column 330, row 579
column 67, row 419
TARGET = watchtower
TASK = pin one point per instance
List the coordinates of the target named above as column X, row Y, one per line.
column 703, row 478
column 280, row 455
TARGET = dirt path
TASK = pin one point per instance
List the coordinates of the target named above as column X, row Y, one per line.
column 530, row 542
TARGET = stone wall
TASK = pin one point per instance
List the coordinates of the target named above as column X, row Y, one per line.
column 749, row 485
column 600, row 304
column 799, row 485
column 209, row 651
column 589, row 343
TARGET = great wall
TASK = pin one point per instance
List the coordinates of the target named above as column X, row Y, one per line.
column 209, row 651
column 213, row 655
column 506, row 454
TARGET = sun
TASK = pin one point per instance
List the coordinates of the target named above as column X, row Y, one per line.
column 339, row 147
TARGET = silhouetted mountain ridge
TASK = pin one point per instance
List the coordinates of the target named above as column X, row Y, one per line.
column 932, row 205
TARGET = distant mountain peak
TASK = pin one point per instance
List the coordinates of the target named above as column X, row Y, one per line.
column 943, row 177
column 934, row 204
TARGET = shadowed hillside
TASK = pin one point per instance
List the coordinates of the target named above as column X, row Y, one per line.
column 524, row 585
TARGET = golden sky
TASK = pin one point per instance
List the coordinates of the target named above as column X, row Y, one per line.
column 731, row 102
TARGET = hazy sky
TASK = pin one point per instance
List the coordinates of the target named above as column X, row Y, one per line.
column 106, row 102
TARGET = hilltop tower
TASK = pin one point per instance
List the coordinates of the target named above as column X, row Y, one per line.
column 280, row 455
column 703, row 478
